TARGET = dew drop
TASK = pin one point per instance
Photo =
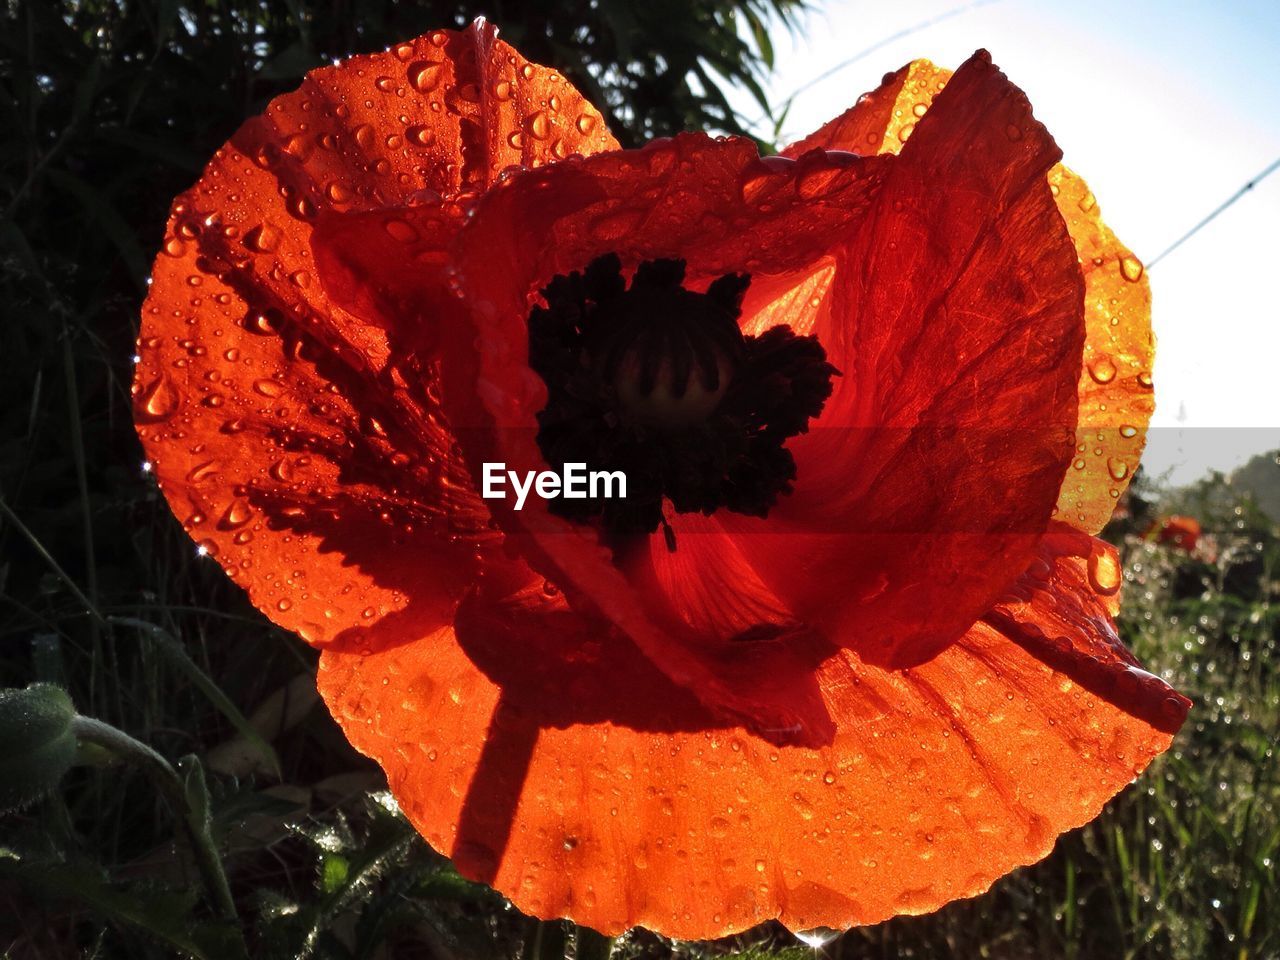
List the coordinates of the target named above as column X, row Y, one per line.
column 157, row 401
column 540, row 126
column 585, row 124
column 425, row 75
column 236, row 515
column 1117, row 468
column 263, row 238
column 1131, row 268
column 365, row 137
column 1102, row 369
column 1104, row 572
column 265, row 322
column 400, row 230
column 420, row 135
column 202, row 471
column 298, row 146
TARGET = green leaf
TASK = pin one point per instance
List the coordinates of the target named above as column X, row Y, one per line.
column 37, row 745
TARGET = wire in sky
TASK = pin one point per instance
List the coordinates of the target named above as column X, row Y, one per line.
column 1274, row 165
column 884, row 42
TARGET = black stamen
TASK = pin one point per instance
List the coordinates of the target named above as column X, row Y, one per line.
column 658, row 381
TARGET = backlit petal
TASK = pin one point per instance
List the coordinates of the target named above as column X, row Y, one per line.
column 1115, row 389
column 591, row 805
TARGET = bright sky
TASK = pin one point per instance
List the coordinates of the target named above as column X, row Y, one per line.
column 1167, row 109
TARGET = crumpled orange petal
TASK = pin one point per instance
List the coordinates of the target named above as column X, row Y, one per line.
column 293, row 428
column 955, row 317
column 940, row 778
column 1115, row 390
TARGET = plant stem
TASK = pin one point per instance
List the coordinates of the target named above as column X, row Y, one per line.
column 171, row 785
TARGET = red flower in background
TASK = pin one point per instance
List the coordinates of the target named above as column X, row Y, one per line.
column 1177, row 531
column 848, row 650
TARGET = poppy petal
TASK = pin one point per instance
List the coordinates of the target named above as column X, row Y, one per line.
column 1116, row 395
column 1115, row 390
column 955, row 315
column 285, row 419
column 938, row 780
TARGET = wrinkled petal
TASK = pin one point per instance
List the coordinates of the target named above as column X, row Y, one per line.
column 293, row 424
column 1115, row 390
column 938, row 780
column 955, row 315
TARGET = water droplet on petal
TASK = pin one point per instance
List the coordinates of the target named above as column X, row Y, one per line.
column 298, row 146
column 420, row 135
column 1104, row 572
column 339, row 192
column 425, row 75
column 156, row 401
column 365, row 137
column 400, row 230
column 202, row 471
column 263, row 322
column 268, row 388
column 263, row 238
column 1131, row 268
column 540, row 126
column 236, row 515
column 1102, row 369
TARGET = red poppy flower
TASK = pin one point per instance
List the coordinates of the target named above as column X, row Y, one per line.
column 846, row 650
column 1177, row 531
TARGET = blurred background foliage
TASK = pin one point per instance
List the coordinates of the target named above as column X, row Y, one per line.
column 110, row 108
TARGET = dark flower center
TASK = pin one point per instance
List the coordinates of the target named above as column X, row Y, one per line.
column 658, row 381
